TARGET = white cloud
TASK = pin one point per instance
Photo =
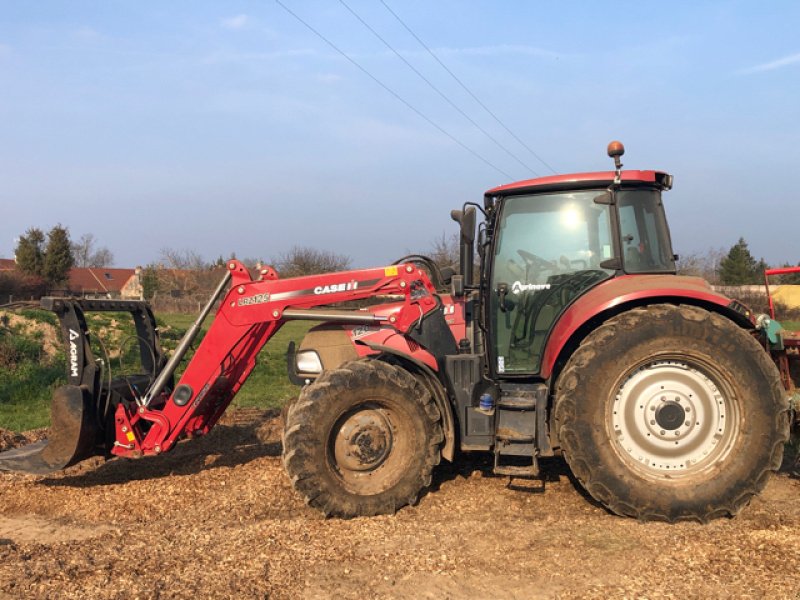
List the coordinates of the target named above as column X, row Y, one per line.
column 792, row 59
column 236, row 22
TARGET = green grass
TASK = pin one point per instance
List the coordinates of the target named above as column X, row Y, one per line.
column 25, row 395
column 27, row 380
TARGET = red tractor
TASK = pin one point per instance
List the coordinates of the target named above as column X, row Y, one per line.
column 571, row 334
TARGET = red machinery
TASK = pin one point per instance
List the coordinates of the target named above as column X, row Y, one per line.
column 781, row 343
column 577, row 338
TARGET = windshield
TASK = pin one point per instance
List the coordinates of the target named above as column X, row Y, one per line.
column 645, row 240
column 548, row 249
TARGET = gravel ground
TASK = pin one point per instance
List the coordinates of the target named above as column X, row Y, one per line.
column 217, row 518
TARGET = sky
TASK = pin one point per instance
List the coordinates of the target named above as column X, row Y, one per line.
column 231, row 127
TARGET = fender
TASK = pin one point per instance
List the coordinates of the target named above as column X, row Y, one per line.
column 635, row 290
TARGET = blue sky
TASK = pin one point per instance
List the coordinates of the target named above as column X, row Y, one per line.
column 230, row 127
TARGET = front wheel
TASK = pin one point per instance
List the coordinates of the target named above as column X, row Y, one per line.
column 671, row 413
column 362, row 440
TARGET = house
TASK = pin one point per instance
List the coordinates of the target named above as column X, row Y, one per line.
column 101, row 282
column 89, row 282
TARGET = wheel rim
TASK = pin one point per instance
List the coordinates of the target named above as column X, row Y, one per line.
column 366, row 448
column 672, row 419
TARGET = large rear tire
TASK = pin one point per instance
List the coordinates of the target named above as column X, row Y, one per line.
column 671, row 413
column 362, row 440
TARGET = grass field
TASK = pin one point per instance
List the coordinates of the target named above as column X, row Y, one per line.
column 29, row 374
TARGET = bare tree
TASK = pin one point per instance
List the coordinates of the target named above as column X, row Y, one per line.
column 444, row 250
column 187, row 260
column 87, row 255
column 183, row 273
column 702, row 264
column 302, row 260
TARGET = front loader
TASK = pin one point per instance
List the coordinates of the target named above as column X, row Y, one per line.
column 571, row 336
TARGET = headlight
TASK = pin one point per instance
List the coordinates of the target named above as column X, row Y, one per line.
column 308, row 361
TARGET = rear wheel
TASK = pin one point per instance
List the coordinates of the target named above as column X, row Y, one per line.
column 671, row 413
column 362, row 440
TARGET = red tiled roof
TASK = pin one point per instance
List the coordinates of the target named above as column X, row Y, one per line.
column 7, row 264
column 98, row 280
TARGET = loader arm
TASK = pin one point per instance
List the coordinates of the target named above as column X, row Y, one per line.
column 250, row 313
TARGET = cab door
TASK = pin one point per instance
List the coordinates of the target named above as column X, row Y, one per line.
column 547, row 251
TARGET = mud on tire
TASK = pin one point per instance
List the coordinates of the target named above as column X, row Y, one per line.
column 363, row 439
column 671, row 413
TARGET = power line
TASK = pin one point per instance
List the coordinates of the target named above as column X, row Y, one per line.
column 437, row 90
column 461, row 83
column 391, row 91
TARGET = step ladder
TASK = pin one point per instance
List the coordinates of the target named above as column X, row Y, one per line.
column 520, row 429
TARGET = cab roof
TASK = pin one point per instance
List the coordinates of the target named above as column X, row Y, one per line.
column 581, row 180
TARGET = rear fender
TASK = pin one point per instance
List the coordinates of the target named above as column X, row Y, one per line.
column 622, row 293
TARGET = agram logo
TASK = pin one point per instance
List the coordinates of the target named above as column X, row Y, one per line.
column 73, row 353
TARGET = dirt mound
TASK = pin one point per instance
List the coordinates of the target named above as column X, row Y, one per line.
column 217, row 518
column 48, row 334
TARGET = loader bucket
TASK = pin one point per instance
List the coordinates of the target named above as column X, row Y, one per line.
column 73, row 436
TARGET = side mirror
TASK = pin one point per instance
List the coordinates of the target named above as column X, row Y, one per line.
column 466, row 219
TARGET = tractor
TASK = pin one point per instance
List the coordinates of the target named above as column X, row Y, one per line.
column 563, row 331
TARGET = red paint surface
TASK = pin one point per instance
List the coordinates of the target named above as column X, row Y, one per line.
column 248, row 316
column 601, row 177
column 621, row 290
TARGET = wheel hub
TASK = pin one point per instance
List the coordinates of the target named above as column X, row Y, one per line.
column 670, row 415
column 363, row 441
column 670, row 418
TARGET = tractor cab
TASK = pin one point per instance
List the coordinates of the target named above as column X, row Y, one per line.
column 547, row 241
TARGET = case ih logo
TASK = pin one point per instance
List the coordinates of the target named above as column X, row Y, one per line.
column 332, row 289
column 73, row 353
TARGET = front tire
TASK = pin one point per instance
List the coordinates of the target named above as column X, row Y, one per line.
column 671, row 413
column 362, row 440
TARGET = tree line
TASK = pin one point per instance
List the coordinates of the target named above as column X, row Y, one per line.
column 49, row 257
column 737, row 266
column 52, row 256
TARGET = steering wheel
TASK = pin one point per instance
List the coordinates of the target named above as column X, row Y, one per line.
column 537, row 262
